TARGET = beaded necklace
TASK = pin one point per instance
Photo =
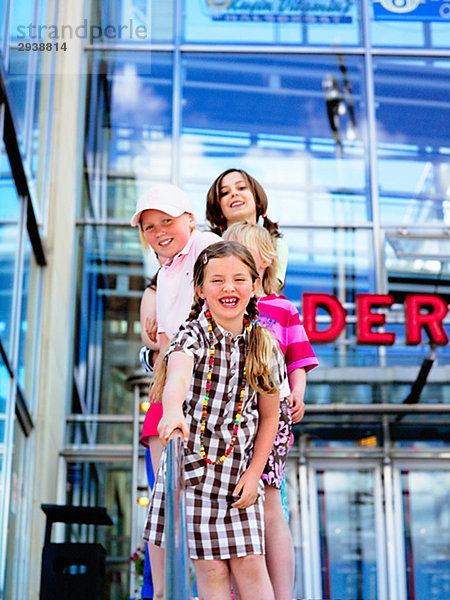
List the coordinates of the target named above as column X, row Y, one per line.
column 206, row 400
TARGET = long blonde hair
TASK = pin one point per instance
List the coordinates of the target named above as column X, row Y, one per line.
column 255, row 236
column 261, row 343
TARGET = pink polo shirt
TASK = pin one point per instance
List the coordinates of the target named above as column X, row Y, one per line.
column 174, row 289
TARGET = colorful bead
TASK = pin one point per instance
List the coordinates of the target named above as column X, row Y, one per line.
column 206, row 400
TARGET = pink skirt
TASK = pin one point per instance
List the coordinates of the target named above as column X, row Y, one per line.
column 151, row 422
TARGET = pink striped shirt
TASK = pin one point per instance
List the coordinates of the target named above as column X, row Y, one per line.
column 280, row 316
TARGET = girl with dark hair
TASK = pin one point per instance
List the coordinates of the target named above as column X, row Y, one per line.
column 235, row 197
column 220, row 387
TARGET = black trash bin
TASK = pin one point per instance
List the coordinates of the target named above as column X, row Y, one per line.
column 73, row 571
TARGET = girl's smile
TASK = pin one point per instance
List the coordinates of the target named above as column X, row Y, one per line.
column 229, row 301
column 236, row 199
column 167, row 235
column 227, row 289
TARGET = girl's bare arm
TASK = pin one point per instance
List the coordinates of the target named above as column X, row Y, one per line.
column 147, row 314
column 179, row 375
column 297, row 383
column 247, row 487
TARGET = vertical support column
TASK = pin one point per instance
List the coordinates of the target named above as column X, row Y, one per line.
column 176, row 90
column 176, row 561
column 134, row 485
column 377, row 233
column 305, row 520
column 308, row 483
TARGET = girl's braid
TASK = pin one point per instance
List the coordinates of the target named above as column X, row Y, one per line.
column 252, row 308
column 196, row 308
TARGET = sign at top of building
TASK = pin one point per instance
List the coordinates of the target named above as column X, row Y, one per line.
column 281, row 11
column 411, row 10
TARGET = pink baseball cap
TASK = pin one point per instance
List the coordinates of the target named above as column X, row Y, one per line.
column 165, row 197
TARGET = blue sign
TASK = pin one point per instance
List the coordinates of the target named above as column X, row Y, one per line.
column 411, row 10
column 281, row 11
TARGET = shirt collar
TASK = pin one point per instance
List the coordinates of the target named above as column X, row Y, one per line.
column 184, row 251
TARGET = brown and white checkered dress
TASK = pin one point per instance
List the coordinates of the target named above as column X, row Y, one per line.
column 215, row 530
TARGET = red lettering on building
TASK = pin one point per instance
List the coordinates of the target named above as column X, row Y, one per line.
column 367, row 320
column 422, row 311
column 329, row 303
column 436, row 310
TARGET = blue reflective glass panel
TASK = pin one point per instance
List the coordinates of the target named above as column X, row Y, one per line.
column 336, row 262
column 296, row 123
column 9, row 236
column 3, row 22
column 326, row 393
column 110, row 286
column 329, row 261
column 5, row 392
column 5, row 381
column 24, row 79
column 410, row 271
column 42, row 113
column 347, row 526
column 440, row 34
column 24, row 321
column 23, row 19
column 413, row 139
column 271, row 22
column 426, row 514
column 129, row 125
column 17, row 83
column 29, row 323
column 410, row 23
column 131, row 22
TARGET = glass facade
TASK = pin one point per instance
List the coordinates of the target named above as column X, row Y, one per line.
column 25, row 126
column 335, row 138
column 342, row 111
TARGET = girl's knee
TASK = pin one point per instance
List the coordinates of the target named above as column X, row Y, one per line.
column 273, row 506
column 251, row 565
column 211, row 570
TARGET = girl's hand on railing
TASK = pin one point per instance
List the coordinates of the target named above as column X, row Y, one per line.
column 246, row 491
column 168, row 424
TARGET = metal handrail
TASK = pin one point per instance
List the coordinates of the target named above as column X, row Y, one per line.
column 176, row 560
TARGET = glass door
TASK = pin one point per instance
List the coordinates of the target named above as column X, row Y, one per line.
column 423, row 496
column 348, row 541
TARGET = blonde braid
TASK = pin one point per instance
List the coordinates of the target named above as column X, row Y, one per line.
column 260, row 353
column 159, row 377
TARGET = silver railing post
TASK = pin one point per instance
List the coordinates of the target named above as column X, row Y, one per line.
column 176, row 561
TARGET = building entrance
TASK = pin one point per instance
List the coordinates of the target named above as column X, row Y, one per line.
column 370, row 531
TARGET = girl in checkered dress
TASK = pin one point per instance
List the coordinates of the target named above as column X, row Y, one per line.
column 221, row 390
column 280, row 316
